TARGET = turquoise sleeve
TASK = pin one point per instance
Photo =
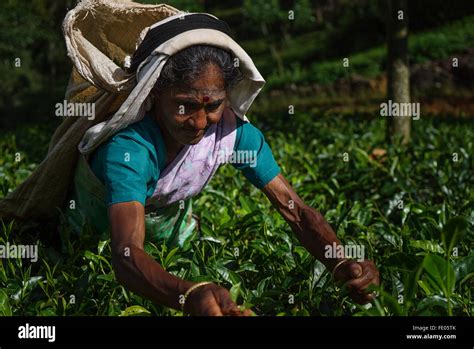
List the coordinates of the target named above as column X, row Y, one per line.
column 127, row 169
column 259, row 165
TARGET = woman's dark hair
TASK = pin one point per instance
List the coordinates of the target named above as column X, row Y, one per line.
column 187, row 64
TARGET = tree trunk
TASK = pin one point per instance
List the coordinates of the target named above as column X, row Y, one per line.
column 398, row 74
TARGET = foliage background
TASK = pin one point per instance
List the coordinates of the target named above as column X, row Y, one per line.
column 246, row 246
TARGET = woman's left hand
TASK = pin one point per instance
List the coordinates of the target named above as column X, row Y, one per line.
column 357, row 277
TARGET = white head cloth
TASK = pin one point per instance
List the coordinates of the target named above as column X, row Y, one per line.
column 133, row 109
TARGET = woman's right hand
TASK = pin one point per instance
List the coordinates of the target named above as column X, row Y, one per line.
column 212, row 300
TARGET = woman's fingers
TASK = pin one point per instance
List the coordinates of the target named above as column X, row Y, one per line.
column 348, row 271
column 354, row 270
column 362, row 282
column 211, row 308
column 228, row 307
column 216, row 301
column 247, row 312
column 209, row 305
column 358, row 287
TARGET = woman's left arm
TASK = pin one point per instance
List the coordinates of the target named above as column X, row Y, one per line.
column 315, row 234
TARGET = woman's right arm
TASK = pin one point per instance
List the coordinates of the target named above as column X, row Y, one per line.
column 141, row 274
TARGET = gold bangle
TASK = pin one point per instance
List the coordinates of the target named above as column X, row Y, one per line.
column 338, row 265
column 191, row 289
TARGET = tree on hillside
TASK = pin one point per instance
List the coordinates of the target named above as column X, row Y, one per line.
column 398, row 74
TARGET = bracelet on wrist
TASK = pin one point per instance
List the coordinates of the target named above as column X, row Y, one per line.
column 191, row 289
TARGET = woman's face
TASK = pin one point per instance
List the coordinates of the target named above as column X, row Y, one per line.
column 187, row 111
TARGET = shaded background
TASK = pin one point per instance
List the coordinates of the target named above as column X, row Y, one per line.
column 408, row 205
column 300, row 59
